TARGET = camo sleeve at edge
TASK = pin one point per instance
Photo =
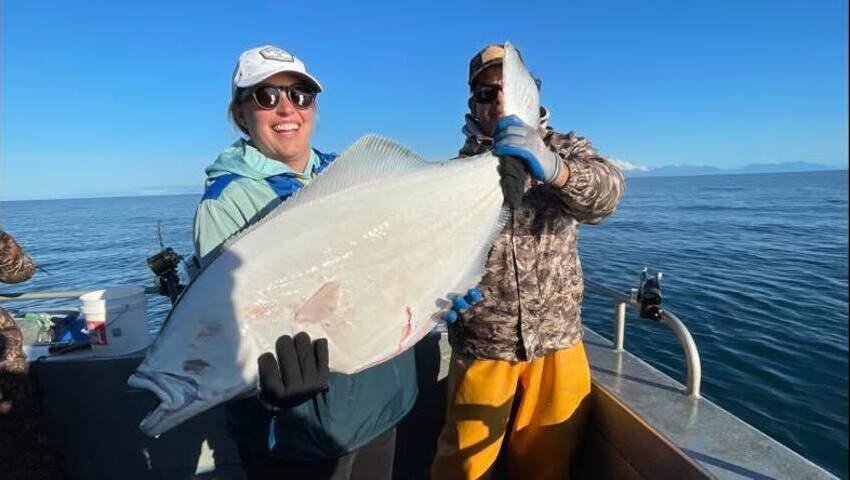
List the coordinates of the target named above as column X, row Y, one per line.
column 595, row 185
column 15, row 265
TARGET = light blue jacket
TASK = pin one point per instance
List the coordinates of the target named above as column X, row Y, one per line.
column 242, row 185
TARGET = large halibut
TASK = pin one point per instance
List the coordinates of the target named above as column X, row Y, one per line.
column 364, row 256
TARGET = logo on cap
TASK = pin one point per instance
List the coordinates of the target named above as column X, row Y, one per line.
column 274, row 53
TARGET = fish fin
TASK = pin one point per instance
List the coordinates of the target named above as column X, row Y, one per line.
column 480, row 261
column 321, row 306
column 371, row 158
column 522, row 97
column 471, row 276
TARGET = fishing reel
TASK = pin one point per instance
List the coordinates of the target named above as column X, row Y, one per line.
column 648, row 295
column 164, row 265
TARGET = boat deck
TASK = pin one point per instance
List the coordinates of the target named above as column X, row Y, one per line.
column 641, row 425
column 720, row 442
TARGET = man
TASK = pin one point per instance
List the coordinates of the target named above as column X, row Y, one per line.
column 25, row 449
column 517, row 339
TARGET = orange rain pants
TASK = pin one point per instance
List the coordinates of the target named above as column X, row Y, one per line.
column 547, row 428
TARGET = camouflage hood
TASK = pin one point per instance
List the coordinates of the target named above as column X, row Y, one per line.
column 477, row 141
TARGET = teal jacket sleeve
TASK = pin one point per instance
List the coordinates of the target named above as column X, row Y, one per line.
column 215, row 222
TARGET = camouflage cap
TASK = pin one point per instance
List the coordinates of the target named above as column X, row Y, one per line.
column 490, row 55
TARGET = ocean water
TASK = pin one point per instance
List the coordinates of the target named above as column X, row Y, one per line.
column 755, row 266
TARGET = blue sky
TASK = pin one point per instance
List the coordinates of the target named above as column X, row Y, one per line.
column 113, row 97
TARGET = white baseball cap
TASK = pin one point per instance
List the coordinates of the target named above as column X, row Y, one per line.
column 260, row 63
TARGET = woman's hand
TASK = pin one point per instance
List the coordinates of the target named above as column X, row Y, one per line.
column 297, row 375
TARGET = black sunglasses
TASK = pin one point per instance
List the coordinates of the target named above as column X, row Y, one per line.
column 268, row 96
column 486, row 93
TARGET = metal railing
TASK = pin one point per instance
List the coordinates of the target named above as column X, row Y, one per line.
column 21, row 296
column 692, row 389
column 620, row 301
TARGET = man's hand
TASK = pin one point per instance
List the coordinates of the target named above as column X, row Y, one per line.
column 517, row 139
column 297, row 375
column 461, row 304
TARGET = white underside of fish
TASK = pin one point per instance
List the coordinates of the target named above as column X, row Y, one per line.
column 366, row 256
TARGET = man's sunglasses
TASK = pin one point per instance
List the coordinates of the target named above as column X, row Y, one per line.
column 486, row 93
column 268, row 96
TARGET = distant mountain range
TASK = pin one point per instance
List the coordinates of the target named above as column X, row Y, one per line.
column 628, row 168
column 631, row 170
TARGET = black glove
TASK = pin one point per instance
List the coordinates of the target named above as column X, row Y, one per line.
column 298, row 374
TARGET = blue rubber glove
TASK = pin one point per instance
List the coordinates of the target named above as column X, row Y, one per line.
column 515, row 138
column 462, row 304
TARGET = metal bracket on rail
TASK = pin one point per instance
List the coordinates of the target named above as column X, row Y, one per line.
column 647, row 299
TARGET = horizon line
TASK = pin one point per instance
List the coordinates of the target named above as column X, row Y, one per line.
column 625, row 173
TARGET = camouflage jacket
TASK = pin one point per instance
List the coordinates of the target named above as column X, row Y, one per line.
column 533, row 283
column 15, row 265
column 26, row 448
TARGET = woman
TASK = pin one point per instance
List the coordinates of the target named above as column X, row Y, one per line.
column 306, row 422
